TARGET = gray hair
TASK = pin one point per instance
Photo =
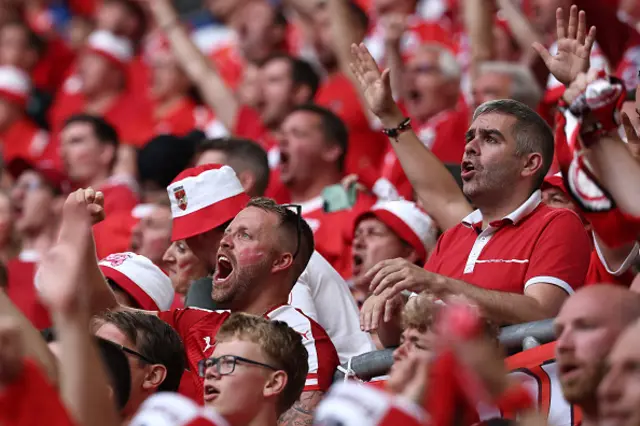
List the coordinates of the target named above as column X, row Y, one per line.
column 447, row 62
column 524, row 87
column 531, row 133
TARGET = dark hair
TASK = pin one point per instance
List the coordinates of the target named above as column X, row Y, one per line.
column 164, row 157
column 153, row 338
column 291, row 223
column 34, row 41
column 531, row 132
column 242, row 155
column 359, row 14
column 279, row 17
column 138, row 12
column 334, row 130
column 104, row 132
column 4, row 276
column 302, row 73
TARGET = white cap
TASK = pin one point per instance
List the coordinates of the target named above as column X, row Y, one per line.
column 408, row 221
column 115, row 48
column 15, row 84
column 140, row 278
column 172, row 409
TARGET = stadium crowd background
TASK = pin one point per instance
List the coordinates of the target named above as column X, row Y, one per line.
column 237, row 197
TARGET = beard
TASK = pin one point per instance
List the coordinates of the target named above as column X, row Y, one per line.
column 493, row 179
column 233, row 293
column 583, row 388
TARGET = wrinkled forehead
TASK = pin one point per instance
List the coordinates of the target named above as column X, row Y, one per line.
column 253, row 219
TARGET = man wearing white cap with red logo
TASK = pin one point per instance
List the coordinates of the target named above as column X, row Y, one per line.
column 20, row 137
column 205, row 198
column 137, row 282
column 100, row 86
column 391, row 229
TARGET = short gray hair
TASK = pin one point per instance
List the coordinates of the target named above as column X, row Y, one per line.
column 531, row 132
column 447, row 63
column 524, row 87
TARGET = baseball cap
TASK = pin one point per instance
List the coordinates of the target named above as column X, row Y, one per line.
column 554, row 181
column 172, row 409
column 407, row 220
column 203, row 198
column 15, row 85
column 140, row 278
column 118, row 50
column 53, row 176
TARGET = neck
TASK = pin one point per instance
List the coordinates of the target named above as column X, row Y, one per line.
column 305, row 191
column 98, row 103
column 265, row 417
column 167, row 105
column 263, row 301
column 42, row 241
column 496, row 208
column 96, row 182
column 589, row 412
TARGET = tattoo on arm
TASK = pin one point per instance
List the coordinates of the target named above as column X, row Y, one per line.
column 301, row 413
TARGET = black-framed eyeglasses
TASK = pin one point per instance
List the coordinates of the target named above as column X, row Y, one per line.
column 226, row 364
column 136, row 354
column 297, row 208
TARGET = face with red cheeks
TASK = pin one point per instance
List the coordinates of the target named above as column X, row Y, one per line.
column 183, row 266
column 246, row 257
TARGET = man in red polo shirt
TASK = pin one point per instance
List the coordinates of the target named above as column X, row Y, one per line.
column 515, row 257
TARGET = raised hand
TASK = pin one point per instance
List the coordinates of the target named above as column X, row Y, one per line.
column 84, row 200
column 375, row 86
column 633, row 140
column 394, row 26
column 379, row 308
column 574, row 47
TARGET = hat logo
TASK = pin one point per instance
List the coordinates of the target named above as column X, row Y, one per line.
column 116, row 259
column 181, row 197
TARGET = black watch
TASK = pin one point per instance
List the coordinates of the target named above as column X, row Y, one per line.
column 397, row 131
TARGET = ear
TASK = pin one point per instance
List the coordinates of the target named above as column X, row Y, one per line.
column 155, row 376
column 275, row 385
column 411, row 254
column 247, row 180
column 283, row 262
column 301, row 94
column 532, row 164
column 108, row 154
column 331, row 153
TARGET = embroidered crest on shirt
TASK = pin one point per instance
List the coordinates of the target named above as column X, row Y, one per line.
column 181, row 197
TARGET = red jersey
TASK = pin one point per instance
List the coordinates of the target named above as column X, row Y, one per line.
column 23, row 139
column 333, row 232
column 599, row 273
column 534, row 244
column 22, row 292
column 366, row 146
column 444, row 135
column 197, row 329
column 118, row 197
column 229, row 64
column 249, row 125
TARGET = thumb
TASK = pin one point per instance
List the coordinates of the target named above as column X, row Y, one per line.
column 630, row 131
column 542, row 51
column 386, row 78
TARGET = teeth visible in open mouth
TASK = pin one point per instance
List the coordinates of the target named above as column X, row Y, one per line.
column 225, row 267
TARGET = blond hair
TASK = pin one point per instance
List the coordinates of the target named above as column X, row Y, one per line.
column 419, row 312
column 280, row 344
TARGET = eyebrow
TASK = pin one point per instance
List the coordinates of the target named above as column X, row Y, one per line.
column 483, row 132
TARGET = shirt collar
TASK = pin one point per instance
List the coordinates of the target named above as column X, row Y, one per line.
column 514, row 217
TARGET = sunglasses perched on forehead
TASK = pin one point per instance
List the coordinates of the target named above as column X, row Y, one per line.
column 134, row 353
column 297, row 210
column 226, row 364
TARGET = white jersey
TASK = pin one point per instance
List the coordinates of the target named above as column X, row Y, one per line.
column 323, row 295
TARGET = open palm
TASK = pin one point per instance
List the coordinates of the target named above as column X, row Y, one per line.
column 375, row 86
column 574, row 47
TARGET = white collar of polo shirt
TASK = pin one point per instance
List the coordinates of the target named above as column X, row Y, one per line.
column 514, row 217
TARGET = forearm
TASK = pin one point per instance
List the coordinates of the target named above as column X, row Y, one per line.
column 618, row 172
column 522, row 30
column 85, row 386
column 199, row 69
column 343, row 33
column 433, row 183
column 396, row 67
column 479, row 23
column 34, row 345
column 301, row 413
column 498, row 306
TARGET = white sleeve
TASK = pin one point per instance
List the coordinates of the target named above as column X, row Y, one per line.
column 334, row 307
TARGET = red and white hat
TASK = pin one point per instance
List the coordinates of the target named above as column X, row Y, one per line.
column 203, row 198
column 172, row 409
column 140, row 278
column 117, row 49
column 408, row 221
column 15, row 85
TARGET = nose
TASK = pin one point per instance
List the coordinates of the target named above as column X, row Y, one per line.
column 472, row 147
column 401, row 352
column 168, row 256
column 359, row 241
column 564, row 342
column 227, row 241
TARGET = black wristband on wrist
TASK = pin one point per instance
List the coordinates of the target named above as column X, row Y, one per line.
column 393, row 133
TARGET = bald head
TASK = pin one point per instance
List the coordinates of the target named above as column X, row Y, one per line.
column 586, row 328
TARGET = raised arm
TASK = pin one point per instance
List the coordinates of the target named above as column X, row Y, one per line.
column 85, row 386
column 199, row 69
column 432, row 182
column 478, row 19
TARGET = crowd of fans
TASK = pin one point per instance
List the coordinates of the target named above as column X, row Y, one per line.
column 202, row 221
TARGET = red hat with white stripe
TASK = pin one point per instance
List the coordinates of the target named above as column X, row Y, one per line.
column 118, row 50
column 203, row 198
column 172, row 409
column 140, row 278
column 408, row 221
column 15, row 85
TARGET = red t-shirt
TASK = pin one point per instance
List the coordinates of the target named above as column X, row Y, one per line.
column 444, row 135
column 197, row 329
column 534, row 244
column 366, row 147
column 23, row 294
column 598, row 273
column 229, row 64
column 23, row 139
column 333, row 232
column 113, row 235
